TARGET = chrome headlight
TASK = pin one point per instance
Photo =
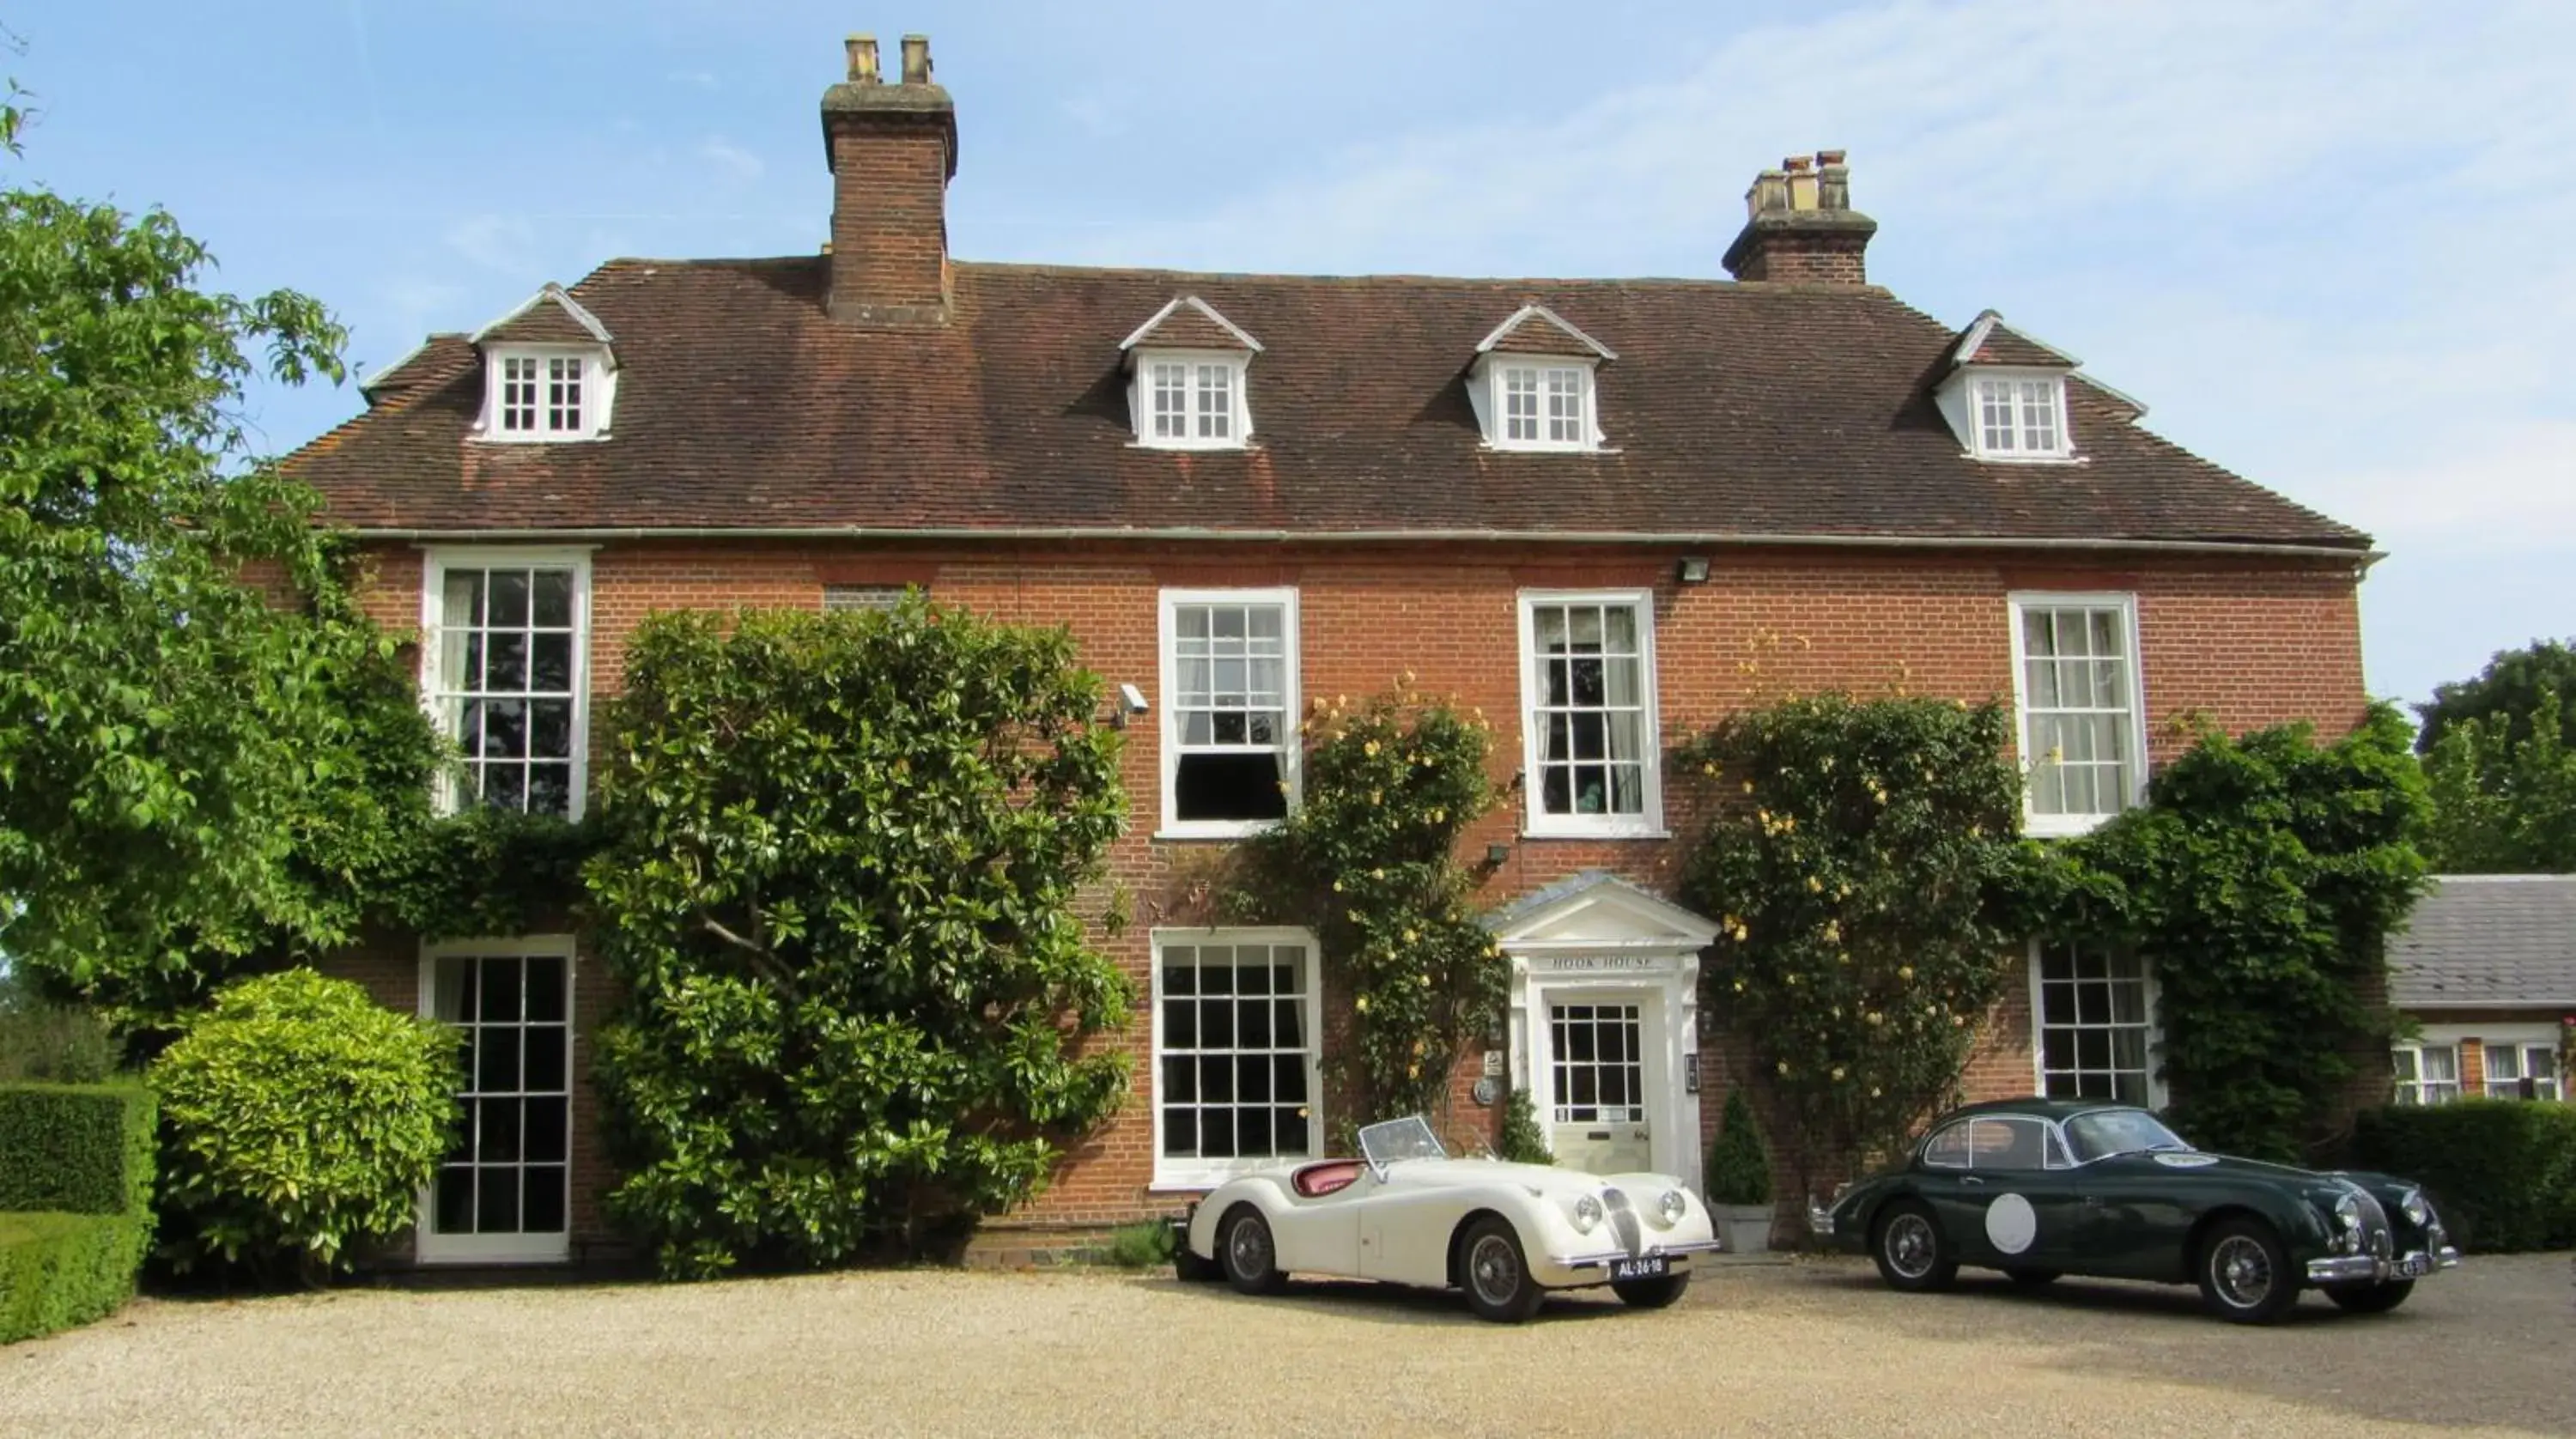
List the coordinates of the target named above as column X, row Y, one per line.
column 1671, row 1207
column 2347, row 1212
column 2417, row 1212
column 1587, row 1214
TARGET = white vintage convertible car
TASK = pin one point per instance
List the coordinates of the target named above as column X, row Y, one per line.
column 1407, row 1213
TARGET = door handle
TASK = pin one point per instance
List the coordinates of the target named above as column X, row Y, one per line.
column 1972, row 1180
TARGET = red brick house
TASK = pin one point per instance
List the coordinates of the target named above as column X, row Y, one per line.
column 1604, row 511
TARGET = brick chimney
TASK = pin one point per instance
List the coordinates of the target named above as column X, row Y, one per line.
column 892, row 150
column 1800, row 227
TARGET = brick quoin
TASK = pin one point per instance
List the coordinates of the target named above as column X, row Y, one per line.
column 2241, row 642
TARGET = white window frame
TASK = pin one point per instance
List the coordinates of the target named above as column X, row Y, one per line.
column 1495, row 384
column 598, row 392
column 1140, row 399
column 428, row 1245
column 2018, row 424
column 2061, row 825
column 2414, row 1048
column 2488, row 1037
column 2155, row 1035
column 1292, row 752
column 435, row 563
column 1191, row 1174
column 1536, row 823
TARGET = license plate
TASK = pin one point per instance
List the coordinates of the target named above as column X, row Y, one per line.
column 2415, row 1266
column 1652, row 1266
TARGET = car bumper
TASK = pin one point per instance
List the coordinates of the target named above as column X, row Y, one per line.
column 1573, row 1271
column 2372, row 1269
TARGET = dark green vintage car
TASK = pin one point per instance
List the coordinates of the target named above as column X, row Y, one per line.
column 2039, row 1188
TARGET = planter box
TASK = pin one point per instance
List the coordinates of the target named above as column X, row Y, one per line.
column 1743, row 1228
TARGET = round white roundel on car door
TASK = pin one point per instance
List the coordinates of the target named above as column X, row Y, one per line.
column 2011, row 1224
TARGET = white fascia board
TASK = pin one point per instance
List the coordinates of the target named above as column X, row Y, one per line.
column 580, row 315
column 1204, row 308
column 1539, row 311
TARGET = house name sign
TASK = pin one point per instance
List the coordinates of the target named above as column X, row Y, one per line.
column 1600, row 963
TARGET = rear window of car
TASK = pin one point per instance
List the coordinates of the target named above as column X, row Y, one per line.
column 1998, row 1142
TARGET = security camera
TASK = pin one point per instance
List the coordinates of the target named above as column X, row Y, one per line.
column 1133, row 698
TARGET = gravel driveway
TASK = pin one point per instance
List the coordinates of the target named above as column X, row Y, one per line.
column 1812, row 1348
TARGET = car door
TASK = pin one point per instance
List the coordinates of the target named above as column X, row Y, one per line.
column 2140, row 1209
column 2014, row 1204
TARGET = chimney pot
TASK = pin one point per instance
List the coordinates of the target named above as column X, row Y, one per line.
column 1802, row 184
column 1833, row 181
column 916, row 59
column 1829, row 157
column 863, row 59
column 1795, row 163
column 1770, row 192
column 1799, row 226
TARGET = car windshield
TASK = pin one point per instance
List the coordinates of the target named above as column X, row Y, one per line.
column 1406, row 1138
column 2106, row 1132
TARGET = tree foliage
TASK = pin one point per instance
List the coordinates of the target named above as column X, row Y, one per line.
column 299, row 1116
column 1369, row 862
column 2510, row 688
column 2262, row 878
column 839, row 862
column 1861, row 869
column 2504, row 792
column 190, row 774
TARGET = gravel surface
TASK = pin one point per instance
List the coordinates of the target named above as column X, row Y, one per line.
column 1811, row 1348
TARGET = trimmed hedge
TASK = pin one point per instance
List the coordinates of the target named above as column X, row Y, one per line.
column 78, row 1158
column 59, row 1270
column 2501, row 1171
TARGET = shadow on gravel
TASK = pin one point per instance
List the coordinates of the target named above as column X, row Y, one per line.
column 1394, row 1304
column 2492, row 1342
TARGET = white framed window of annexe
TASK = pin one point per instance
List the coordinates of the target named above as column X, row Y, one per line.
column 1591, row 747
column 2019, row 417
column 503, row 1194
column 2426, row 1073
column 1540, row 404
column 537, row 393
column 1236, row 1079
column 2080, row 711
column 1230, row 707
column 1191, row 400
column 505, row 666
column 2093, row 1024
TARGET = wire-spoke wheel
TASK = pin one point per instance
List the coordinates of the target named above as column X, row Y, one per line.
column 2245, row 1275
column 1251, row 1258
column 1912, row 1254
column 1496, row 1273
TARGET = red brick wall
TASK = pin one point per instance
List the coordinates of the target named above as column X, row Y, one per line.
column 2246, row 642
column 889, row 214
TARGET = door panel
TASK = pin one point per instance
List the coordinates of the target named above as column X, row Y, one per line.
column 2010, row 1209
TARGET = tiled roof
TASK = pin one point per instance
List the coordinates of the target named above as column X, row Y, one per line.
column 1734, row 409
column 1187, row 323
column 1537, row 330
column 1989, row 340
column 2488, row 942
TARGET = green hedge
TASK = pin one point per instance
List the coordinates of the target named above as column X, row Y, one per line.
column 81, row 1149
column 58, row 1270
column 2502, row 1172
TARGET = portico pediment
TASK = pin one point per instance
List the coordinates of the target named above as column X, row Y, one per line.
column 1597, row 910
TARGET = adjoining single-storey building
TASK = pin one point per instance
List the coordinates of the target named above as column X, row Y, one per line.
column 2486, row 967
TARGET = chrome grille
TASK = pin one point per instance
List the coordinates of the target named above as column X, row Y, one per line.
column 2374, row 1224
column 1623, row 1220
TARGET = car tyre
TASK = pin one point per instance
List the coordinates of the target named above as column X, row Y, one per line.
column 1191, row 1268
column 1494, row 1271
column 1912, row 1253
column 1249, row 1255
column 2370, row 1298
column 2245, row 1274
column 1650, row 1293
column 2033, row 1278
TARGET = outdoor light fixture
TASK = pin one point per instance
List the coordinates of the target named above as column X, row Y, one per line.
column 1131, row 701
column 1497, row 853
column 1693, row 570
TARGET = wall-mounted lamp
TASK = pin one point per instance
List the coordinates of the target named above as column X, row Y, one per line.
column 1131, row 701
column 1693, row 570
column 1497, row 853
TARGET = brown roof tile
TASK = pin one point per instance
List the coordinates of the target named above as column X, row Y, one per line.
column 1734, row 409
column 1188, row 323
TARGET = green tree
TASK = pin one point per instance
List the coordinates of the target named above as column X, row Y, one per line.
column 840, row 861
column 193, row 771
column 2504, row 792
column 2510, row 686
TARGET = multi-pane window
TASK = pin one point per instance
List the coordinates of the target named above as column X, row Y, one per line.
column 1229, row 728
column 1587, row 683
column 2427, row 1073
column 2018, row 418
column 1193, row 403
column 518, row 394
column 1234, row 1049
column 541, row 396
column 1599, row 1073
column 1546, row 407
column 2080, row 738
column 504, row 681
column 563, row 393
column 2522, row 1071
column 2094, row 1025
column 503, row 1190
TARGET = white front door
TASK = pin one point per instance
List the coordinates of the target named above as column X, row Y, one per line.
column 1597, row 1083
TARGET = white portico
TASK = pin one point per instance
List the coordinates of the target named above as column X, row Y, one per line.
column 1605, row 1022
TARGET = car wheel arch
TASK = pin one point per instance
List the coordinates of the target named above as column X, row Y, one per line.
column 2196, row 1242
column 1458, row 1240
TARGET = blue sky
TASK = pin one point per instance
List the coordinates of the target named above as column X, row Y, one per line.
column 2329, row 244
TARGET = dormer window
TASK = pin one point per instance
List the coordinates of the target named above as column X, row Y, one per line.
column 1531, row 386
column 2017, row 418
column 550, row 372
column 1186, row 387
column 2005, row 395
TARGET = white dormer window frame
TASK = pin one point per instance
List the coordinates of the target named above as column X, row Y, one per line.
column 2017, row 416
column 1538, row 402
column 1190, row 399
column 540, row 394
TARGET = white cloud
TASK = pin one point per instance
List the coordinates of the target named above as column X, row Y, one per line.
column 728, row 156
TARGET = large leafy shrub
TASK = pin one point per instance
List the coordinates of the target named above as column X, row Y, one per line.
column 75, row 1203
column 299, row 1117
column 840, row 863
column 45, row 1041
column 1859, row 868
column 2502, row 1172
column 2504, row 792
